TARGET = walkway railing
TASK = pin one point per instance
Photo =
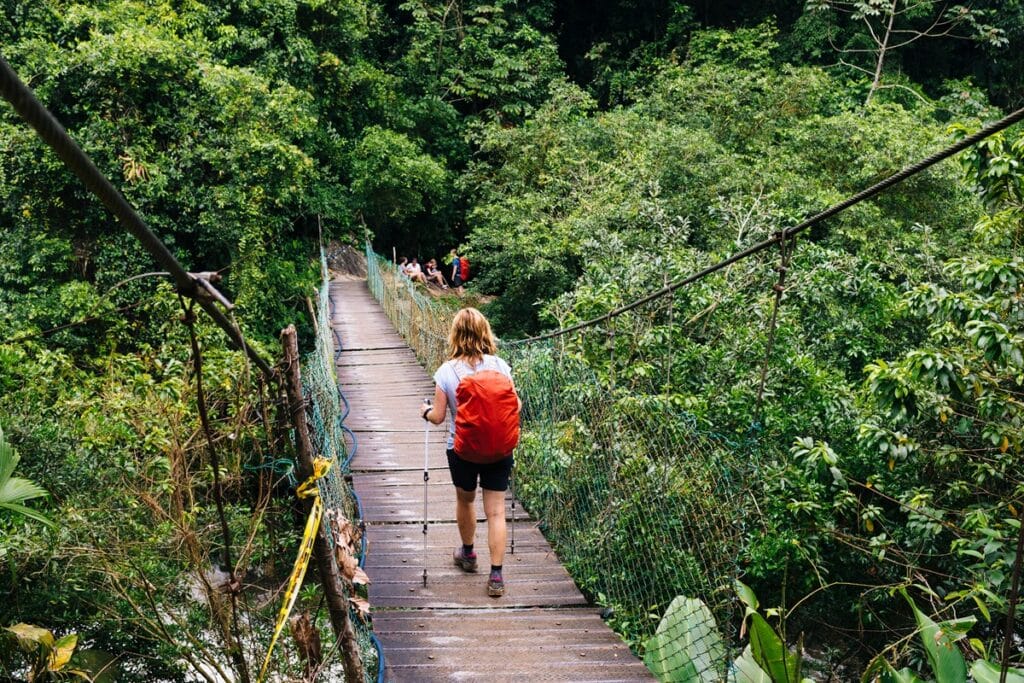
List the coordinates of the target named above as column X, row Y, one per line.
column 416, row 316
column 325, row 412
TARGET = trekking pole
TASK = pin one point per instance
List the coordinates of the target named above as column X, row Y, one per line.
column 426, row 478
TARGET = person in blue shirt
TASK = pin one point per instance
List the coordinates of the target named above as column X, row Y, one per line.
column 456, row 271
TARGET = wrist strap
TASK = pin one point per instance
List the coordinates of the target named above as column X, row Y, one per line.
column 427, row 411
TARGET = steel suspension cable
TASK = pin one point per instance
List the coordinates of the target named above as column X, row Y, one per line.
column 787, row 233
column 53, row 133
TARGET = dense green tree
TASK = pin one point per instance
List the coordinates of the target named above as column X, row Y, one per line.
column 583, row 154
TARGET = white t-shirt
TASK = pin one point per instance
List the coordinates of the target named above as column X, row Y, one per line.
column 452, row 372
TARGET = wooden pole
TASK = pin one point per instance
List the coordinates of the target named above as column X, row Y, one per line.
column 330, row 579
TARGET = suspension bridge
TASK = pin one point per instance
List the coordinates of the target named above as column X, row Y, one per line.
column 449, row 629
column 640, row 505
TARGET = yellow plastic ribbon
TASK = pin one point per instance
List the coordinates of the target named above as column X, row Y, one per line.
column 307, row 489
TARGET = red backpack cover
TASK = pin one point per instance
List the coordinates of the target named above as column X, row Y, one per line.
column 487, row 418
column 464, row 268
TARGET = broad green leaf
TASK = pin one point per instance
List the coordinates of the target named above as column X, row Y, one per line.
column 984, row 671
column 8, row 459
column 904, row 675
column 14, row 491
column 18, row 490
column 686, row 646
column 747, row 596
column 771, row 654
column 947, row 663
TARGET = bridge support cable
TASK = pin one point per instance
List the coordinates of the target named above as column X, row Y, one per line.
column 787, row 233
column 53, row 134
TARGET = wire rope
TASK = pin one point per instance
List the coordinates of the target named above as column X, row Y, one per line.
column 787, row 233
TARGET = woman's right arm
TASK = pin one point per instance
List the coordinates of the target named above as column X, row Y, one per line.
column 436, row 412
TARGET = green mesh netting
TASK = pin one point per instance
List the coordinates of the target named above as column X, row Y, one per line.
column 420, row 320
column 325, row 413
column 641, row 505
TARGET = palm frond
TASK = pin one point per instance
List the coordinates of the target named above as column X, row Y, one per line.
column 18, row 490
column 28, row 512
column 14, row 491
column 8, row 458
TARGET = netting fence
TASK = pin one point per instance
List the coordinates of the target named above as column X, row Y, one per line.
column 326, row 410
column 642, row 505
column 416, row 316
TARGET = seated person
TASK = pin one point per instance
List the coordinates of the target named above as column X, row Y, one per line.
column 414, row 272
column 403, row 266
column 434, row 275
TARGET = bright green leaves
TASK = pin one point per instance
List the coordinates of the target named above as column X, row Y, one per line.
column 767, row 648
column 393, row 178
column 976, row 354
column 687, row 645
column 939, row 641
column 16, row 491
column 747, row 47
column 490, row 58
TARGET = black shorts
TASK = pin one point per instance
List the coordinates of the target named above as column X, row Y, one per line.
column 493, row 476
column 457, row 281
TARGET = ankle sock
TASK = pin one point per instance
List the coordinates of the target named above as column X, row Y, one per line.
column 467, row 550
column 496, row 569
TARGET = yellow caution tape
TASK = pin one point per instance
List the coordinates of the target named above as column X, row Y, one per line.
column 307, row 489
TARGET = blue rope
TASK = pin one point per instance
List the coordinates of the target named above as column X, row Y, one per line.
column 380, row 657
column 355, row 446
column 348, row 408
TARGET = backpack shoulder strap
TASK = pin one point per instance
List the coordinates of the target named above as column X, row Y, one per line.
column 458, row 378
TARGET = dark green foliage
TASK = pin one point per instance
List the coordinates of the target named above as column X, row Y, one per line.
column 582, row 154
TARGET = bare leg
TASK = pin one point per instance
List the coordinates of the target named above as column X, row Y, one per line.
column 465, row 514
column 494, row 509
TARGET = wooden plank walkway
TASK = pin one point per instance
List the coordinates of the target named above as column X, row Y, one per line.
column 450, row 630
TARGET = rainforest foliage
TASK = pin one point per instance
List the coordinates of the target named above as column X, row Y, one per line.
column 581, row 154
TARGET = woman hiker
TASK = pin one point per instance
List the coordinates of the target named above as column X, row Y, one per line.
column 479, row 453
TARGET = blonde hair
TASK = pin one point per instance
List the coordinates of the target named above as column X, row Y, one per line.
column 471, row 335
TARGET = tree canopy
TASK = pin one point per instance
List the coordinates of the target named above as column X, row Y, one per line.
column 581, row 154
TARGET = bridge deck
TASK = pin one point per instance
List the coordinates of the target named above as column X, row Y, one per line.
column 541, row 629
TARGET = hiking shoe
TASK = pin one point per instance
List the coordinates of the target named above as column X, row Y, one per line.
column 495, row 586
column 466, row 563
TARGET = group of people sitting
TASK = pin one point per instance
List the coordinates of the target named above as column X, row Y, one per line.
column 430, row 274
column 414, row 272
